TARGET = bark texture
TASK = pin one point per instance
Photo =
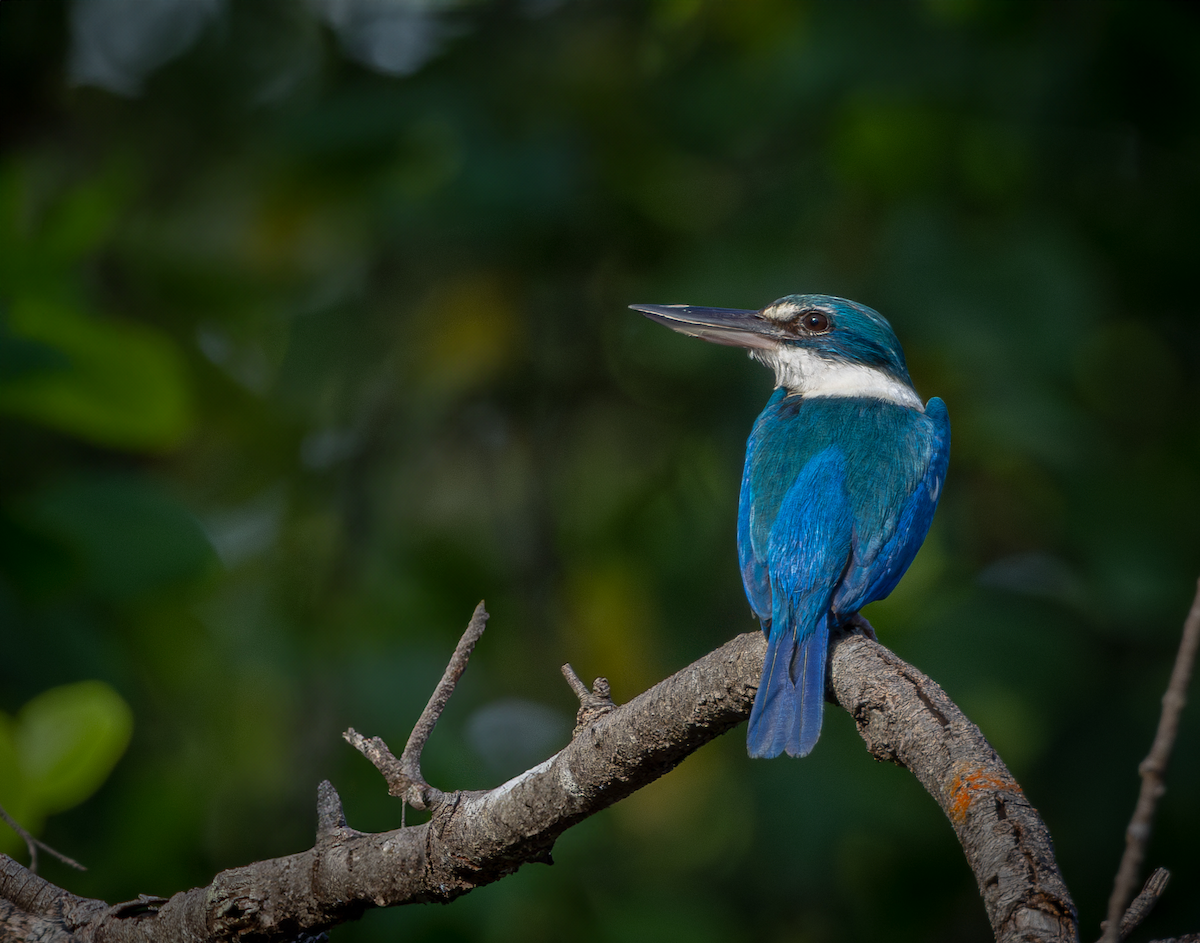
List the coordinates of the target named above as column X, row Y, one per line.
column 474, row 838
column 906, row 718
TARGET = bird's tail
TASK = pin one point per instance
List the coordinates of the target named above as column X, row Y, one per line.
column 791, row 695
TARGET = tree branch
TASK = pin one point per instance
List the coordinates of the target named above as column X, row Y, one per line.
column 474, row 838
column 906, row 718
column 1153, row 769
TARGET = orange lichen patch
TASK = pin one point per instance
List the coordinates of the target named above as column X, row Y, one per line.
column 969, row 785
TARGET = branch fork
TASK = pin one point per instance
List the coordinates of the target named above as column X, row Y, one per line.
column 403, row 775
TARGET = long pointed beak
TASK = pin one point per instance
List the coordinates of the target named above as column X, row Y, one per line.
column 733, row 327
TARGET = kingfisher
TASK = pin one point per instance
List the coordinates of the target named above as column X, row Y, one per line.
column 843, row 472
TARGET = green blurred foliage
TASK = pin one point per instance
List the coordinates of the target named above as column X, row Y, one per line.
column 58, row 750
column 313, row 333
column 112, row 384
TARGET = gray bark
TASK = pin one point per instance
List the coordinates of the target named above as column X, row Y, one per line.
column 474, row 838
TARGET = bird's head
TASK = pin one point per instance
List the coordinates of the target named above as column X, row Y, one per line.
column 817, row 345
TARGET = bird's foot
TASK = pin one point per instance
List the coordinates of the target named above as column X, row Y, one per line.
column 859, row 621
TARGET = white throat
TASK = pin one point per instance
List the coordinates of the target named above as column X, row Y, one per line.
column 799, row 370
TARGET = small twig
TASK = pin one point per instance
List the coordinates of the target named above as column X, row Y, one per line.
column 331, row 818
column 382, row 758
column 1141, row 906
column 592, row 704
column 410, row 759
column 577, row 686
column 1152, row 769
column 33, row 844
column 143, row 904
column 30, row 842
column 403, row 775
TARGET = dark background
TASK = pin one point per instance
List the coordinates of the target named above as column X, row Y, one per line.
column 314, row 334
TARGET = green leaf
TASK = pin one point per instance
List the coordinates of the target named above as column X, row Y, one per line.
column 68, row 740
column 112, row 383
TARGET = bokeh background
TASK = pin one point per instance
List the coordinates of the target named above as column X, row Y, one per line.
column 313, row 334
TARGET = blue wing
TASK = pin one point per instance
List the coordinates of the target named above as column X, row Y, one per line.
column 771, row 467
column 809, row 539
column 837, row 496
column 882, row 556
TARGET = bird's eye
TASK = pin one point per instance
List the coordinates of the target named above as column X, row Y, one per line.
column 815, row 322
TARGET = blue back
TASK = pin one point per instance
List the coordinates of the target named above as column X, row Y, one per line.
column 837, row 496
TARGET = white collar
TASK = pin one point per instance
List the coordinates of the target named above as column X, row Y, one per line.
column 800, row 370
